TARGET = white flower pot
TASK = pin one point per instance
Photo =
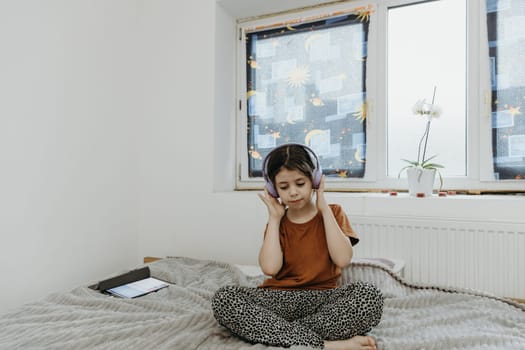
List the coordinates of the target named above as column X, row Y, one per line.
column 420, row 181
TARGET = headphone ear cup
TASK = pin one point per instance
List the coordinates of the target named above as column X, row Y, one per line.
column 316, row 178
column 271, row 189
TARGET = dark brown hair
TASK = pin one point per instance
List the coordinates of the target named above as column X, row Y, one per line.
column 291, row 157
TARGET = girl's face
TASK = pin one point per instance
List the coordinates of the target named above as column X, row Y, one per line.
column 294, row 188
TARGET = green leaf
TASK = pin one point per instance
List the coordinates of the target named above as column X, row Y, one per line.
column 432, row 166
column 412, row 162
column 403, row 168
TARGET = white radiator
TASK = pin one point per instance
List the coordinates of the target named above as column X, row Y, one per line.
column 487, row 256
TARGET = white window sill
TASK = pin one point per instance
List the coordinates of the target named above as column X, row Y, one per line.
column 487, row 207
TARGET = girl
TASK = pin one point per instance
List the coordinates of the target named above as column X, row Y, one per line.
column 306, row 243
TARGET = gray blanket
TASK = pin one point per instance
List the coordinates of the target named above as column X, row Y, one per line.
column 180, row 317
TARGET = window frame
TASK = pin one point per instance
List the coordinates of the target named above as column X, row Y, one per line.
column 479, row 177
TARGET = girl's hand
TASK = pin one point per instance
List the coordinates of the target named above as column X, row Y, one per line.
column 276, row 209
column 321, row 203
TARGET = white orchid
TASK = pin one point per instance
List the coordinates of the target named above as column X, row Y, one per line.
column 430, row 111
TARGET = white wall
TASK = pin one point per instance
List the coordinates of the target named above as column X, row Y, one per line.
column 68, row 113
column 117, row 139
column 187, row 143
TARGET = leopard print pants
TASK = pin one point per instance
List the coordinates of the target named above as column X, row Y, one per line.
column 299, row 317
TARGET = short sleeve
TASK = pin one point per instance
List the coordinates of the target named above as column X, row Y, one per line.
column 344, row 223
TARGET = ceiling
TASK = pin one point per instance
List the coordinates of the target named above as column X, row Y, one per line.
column 250, row 8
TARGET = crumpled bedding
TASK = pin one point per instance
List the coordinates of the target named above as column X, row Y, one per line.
column 180, row 316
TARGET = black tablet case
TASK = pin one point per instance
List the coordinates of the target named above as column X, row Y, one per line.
column 125, row 278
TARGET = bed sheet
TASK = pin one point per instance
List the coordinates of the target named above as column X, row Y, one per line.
column 180, row 316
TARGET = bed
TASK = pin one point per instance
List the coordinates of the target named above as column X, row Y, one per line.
column 180, row 317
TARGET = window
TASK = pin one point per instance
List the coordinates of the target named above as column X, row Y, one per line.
column 306, row 84
column 423, row 53
column 506, row 41
column 344, row 80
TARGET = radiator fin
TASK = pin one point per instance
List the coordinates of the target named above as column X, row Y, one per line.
column 488, row 256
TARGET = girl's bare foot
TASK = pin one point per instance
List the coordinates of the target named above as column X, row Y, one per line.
column 356, row 343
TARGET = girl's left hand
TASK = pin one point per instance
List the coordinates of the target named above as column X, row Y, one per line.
column 320, row 199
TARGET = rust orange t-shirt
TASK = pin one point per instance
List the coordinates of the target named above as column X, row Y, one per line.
column 306, row 260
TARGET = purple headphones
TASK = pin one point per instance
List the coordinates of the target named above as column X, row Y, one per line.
column 317, row 172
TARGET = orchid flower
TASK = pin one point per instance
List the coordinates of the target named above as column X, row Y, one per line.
column 429, row 111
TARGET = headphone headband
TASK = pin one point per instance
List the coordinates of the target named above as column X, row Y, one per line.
column 317, row 172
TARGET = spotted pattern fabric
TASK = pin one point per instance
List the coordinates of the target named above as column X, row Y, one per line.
column 298, row 317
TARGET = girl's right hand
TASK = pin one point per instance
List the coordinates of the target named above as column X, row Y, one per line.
column 276, row 209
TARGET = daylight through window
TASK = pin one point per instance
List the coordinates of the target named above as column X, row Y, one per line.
column 427, row 51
